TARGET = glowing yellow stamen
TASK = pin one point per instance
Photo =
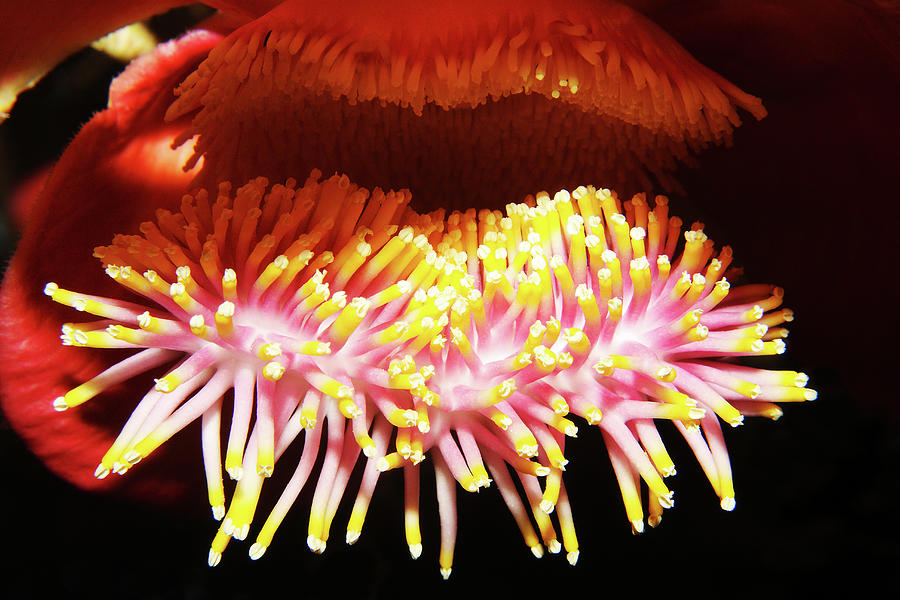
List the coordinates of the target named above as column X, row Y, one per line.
column 224, row 322
column 271, row 273
column 577, row 340
column 313, row 348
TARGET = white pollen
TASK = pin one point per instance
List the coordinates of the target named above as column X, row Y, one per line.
column 214, row 558
column 256, row 551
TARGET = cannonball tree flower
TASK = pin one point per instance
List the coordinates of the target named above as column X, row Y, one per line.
column 386, row 326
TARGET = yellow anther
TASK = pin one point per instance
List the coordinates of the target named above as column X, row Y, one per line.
column 773, row 347
column 605, row 366
column 588, row 305
column 499, row 392
column 313, row 348
column 520, row 361
column 593, row 415
column 391, row 461
column 698, row 333
column 179, row 294
column 553, row 329
column 535, row 336
column 559, row 405
column 614, row 306
column 271, row 273
column 499, row 418
column 577, row 340
column 663, row 266
column 229, row 284
column 347, row 407
column 330, row 306
column 637, row 235
column 526, row 446
column 698, row 284
column 611, row 259
column 564, row 360
column 224, row 322
column 365, row 442
column 168, row 383
column 665, row 374
column 564, row 425
column 690, row 320
column 461, row 341
column 397, row 290
column 273, row 370
column 545, row 358
column 350, row 318
column 269, row 351
column 682, row 286
column 198, row 326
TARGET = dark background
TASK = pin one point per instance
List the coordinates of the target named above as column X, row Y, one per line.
column 807, row 198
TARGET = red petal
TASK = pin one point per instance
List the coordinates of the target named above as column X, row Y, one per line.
column 36, row 35
column 117, row 168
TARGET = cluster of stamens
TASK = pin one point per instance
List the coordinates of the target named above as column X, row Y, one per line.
column 472, row 341
column 601, row 79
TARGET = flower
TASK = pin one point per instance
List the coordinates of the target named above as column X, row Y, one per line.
column 198, row 43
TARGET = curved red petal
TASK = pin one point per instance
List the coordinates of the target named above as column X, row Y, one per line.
column 35, row 36
column 119, row 166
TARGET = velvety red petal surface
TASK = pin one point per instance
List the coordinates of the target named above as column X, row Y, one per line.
column 115, row 172
column 35, row 36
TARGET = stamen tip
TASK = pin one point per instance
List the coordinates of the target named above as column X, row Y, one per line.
column 214, row 558
column 415, row 550
column 256, row 551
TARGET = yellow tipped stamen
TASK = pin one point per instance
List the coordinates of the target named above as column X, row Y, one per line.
column 313, row 348
column 179, row 294
column 224, row 321
column 274, row 370
column 577, row 341
column 693, row 250
column 349, row 319
column 269, row 351
column 398, row 290
column 614, row 306
column 198, row 326
column 271, row 273
column 637, row 235
column 499, row 392
column 611, row 260
column 328, row 306
column 663, row 267
column 682, row 286
column 588, row 305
